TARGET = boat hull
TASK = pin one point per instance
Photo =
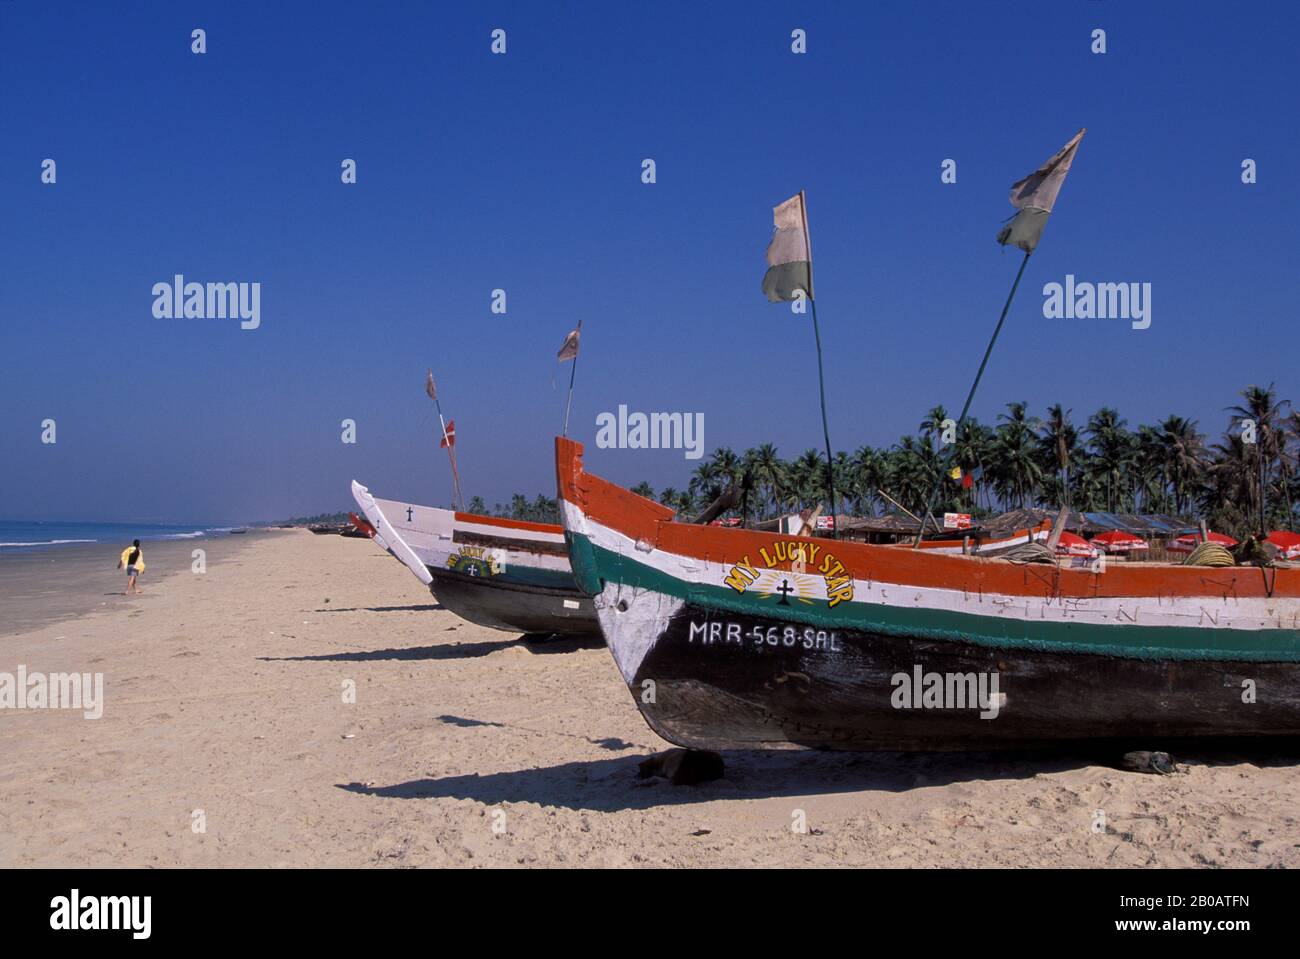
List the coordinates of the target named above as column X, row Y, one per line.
column 730, row 638
column 515, row 608
column 503, row 574
column 714, row 679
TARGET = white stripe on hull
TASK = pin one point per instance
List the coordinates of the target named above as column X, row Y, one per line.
column 428, row 537
column 1204, row 612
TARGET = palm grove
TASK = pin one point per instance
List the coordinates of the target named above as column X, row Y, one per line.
column 1097, row 464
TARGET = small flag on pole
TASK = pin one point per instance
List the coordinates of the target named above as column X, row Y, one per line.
column 449, row 437
column 1034, row 197
column 569, row 351
column 789, row 255
column 967, row 480
column 430, row 388
column 955, row 472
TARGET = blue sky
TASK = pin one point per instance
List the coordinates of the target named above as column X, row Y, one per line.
column 522, row 172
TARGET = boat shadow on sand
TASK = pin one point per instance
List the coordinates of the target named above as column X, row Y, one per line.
column 609, row 785
column 414, row 608
column 563, row 644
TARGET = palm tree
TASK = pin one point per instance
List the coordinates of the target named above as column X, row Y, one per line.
column 769, row 474
column 1229, row 499
column 807, row 477
column 932, row 426
column 1111, row 446
column 913, row 467
column 1262, row 407
column 705, row 483
column 1289, row 434
column 685, row 505
column 868, row 473
column 1018, row 471
column 1165, row 466
column 975, row 450
column 1058, row 441
column 1149, row 471
column 1183, row 452
column 644, row 489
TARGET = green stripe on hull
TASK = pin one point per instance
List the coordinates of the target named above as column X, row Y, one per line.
column 593, row 563
column 516, row 575
column 531, row 576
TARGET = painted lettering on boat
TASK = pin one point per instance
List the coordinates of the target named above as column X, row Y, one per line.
column 719, row 633
column 800, row 557
column 475, row 561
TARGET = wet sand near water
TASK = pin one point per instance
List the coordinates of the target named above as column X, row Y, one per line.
column 49, row 584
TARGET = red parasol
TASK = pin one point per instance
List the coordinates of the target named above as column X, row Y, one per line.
column 1117, row 541
column 1071, row 545
column 1286, row 541
column 1189, row 541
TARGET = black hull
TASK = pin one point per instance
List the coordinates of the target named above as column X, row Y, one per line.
column 514, row 608
column 727, row 694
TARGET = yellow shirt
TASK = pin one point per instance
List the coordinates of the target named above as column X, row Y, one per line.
column 139, row 561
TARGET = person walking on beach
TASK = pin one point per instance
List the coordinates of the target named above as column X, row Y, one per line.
column 133, row 559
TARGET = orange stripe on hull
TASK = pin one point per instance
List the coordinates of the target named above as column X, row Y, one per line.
column 510, row 523
column 650, row 523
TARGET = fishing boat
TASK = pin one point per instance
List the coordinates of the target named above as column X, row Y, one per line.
column 732, row 638
column 328, row 529
column 989, row 545
column 360, row 528
column 501, row 573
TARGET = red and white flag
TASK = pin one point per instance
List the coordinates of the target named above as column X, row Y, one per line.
column 449, row 438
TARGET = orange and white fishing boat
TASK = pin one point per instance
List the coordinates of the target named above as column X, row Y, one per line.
column 733, row 637
column 988, row 545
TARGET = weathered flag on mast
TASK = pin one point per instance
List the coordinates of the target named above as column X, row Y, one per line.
column 789, row 255
column 430, row 388
column 1035, row 196
column 569, row 351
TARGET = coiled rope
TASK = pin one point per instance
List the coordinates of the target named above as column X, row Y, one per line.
column 1210, row 554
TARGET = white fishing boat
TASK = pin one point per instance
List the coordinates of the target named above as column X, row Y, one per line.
column 501, row 573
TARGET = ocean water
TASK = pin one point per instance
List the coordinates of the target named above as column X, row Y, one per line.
column 23, row 536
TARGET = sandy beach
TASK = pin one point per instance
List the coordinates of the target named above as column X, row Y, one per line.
column 226, row 740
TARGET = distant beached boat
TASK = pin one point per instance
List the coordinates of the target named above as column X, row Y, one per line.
column 358, row 528
column 501, row 573
column 739, row 638
column 989, row 546
column 328, row 529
